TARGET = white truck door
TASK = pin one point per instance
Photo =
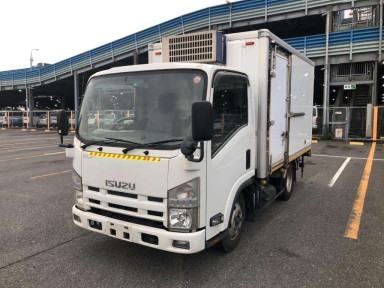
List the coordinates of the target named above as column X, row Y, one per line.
column 278, row 110
column 230, row 159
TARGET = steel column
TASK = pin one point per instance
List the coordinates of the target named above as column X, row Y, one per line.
column 326, row 79
column 135, row 58
column 381, row 32
column 76, row 94
column 375, row 84
column 31, row 106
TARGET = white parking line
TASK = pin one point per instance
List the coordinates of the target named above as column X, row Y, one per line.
column 32, row 156
column 26, row 148
column 338, row 173
column 345, row 157
column 16, row 140
column 17, row 144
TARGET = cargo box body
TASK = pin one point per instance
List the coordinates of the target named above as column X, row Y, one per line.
column 281, row 81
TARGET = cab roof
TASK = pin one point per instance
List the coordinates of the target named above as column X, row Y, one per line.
column 160, row 66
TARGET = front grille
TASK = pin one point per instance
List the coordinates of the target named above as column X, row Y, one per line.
column 94, row 201
column 122, row 207
column 155, row 213
column 155, row 199
column 131, row 219
column 119, row 204
column 122, row 194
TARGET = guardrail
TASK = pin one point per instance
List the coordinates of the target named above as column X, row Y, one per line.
column 343, row 42
column 202, row 19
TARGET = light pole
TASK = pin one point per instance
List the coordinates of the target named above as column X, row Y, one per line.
column 31, row 58
column 26, row 86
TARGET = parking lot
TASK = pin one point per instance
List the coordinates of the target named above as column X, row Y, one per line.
column 305, row 242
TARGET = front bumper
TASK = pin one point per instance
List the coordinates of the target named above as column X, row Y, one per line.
column 137, row 233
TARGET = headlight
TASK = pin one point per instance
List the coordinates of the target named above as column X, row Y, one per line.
column 79, row 198
column 77, row 183
column 183, row 205
column 78, row 186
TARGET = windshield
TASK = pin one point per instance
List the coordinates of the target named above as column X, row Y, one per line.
column 141, row 107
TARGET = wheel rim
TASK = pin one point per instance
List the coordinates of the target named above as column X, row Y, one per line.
column 236, row 222
column 288, row 181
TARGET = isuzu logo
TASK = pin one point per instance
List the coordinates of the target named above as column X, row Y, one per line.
column 120, row 184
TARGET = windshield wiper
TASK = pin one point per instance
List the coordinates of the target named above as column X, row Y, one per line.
column 112, row 140
column 151, row 144
column 92, row 143
column 122, row 140
column 138, row 145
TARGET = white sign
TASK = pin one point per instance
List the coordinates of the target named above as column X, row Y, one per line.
column 339, row 133
column 350, row 87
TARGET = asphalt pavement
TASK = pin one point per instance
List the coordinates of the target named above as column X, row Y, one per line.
column 299, row 243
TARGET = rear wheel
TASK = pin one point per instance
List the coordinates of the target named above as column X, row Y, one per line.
column 235, row 226
column 287, row 184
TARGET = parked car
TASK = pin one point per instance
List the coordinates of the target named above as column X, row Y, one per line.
column 316, row 125
column 42, row 122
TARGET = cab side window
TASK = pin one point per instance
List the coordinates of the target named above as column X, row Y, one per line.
column 230, row 105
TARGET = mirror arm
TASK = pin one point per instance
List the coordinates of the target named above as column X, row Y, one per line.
column 192, row 159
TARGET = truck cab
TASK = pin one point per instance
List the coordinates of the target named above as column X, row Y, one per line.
column 181, row 169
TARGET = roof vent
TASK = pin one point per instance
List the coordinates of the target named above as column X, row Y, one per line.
column 202, row 47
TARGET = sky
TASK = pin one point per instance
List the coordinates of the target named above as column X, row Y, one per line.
column 61, row 29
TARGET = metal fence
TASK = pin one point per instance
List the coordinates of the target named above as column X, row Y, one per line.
column 344, row 122
column 47, row 120
column 350, row 123
column 39, row 119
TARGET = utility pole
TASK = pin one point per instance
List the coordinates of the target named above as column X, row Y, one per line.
column 26, row 86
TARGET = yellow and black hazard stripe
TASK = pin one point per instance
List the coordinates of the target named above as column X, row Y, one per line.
column 124, row 157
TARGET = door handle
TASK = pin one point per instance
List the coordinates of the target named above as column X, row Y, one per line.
column 248, row 159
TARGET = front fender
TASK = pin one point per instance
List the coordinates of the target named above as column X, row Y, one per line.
column 239, row 185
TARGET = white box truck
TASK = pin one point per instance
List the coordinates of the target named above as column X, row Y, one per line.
column 215, row 139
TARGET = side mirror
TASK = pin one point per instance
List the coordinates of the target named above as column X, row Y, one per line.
column 202, row 121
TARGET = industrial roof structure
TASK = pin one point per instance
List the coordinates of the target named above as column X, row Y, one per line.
column 239, row 16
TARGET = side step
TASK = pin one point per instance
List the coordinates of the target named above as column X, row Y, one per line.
column 259, row 198
column 269, row 191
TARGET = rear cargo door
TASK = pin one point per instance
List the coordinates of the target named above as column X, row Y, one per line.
column 278, row 110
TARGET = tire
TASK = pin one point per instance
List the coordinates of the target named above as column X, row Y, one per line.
column 235, row 226
column 288, row 181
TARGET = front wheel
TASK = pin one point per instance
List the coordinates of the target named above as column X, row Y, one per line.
column 235, row 226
